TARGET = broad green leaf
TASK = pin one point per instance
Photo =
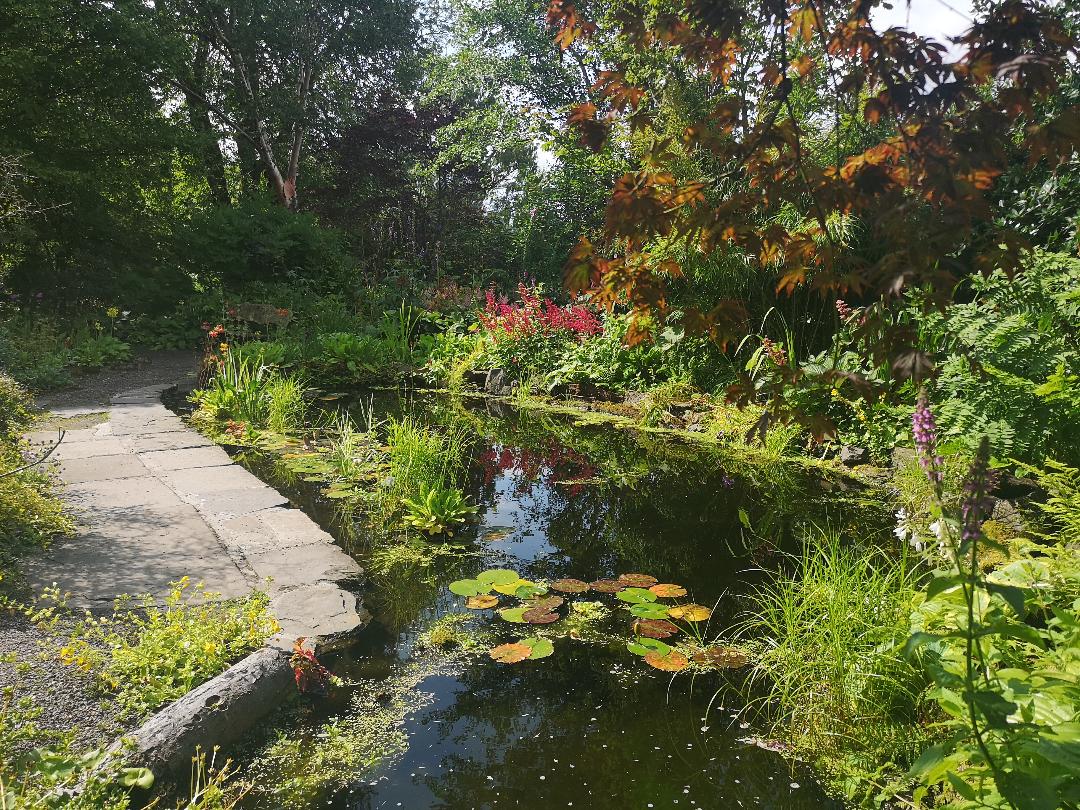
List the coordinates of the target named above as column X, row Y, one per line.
column 498, row 576
column 643, row 646
column 649, row 610
column 469, row 587
column 636, row 596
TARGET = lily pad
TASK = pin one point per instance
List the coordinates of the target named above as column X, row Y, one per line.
column 636, row 596
column 509, row 588
column 510, row 653
column 667, row 590
column 541, row 647
column 547, row 602
column 637, row 580
column 644, row 646
column 674, row 661
column 481, row 602
column 569, row 586
column 652, row 628
column 498, row 576
column 650, row 610
column 469, row 587
column 515, row 615
column 607, row 585
column 529, row 591
column 690, row 613
column 540, row 616
column 722, row 657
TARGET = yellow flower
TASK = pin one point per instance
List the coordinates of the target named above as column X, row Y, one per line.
column 113, row 312
column 224, row 347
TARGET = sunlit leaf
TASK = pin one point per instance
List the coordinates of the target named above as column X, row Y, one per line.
column 510, row 653
column 674, row 661
column 541, row 647
column 668, row 591
column 722, row 657
column 469, row 587
column 690, row 613
column 515, row 615
column 644, row 646
column 510, row 588
column 529, row 590
column 636, row 596
column 498, row 576
column 481, row 602
column 650, row 610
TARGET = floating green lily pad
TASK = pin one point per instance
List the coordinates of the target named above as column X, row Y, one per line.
column 469, row 587
column 509, row 588
column 541, row 647
column 636, row 596
column 649, row 610
column 515, row 615
column 644, row 646
column 529, row 591
column 498, row 576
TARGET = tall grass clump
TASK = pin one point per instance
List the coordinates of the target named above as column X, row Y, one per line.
column 245, row 391
column 420, row 456
column 836, row 686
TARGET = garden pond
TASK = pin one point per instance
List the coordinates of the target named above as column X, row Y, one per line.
column 424, row 722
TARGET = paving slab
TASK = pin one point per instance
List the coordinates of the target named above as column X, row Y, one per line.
column 101, row 446
column 185, row 459
column 174, row 440
column 101, row 468
column 156, row 501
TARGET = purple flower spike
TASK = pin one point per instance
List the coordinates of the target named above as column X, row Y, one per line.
column 924, row 429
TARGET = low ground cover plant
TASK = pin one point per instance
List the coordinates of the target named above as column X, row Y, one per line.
column 145, row 656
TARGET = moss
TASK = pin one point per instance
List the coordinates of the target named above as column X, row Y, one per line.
column 452, row 631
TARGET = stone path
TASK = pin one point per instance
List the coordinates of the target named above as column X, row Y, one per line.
column 157, row 501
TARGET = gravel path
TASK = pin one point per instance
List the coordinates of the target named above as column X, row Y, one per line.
column 93, row 391
column 67, row 698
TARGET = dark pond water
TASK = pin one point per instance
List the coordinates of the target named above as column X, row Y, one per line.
column 591, row 726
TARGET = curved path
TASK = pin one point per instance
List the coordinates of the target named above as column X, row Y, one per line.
column 157, row 501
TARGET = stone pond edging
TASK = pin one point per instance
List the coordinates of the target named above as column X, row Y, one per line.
column 156, row 500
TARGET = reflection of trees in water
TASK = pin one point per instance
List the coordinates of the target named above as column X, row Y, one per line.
column 517, row 725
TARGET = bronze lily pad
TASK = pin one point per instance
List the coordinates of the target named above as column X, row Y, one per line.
column 674, row 661
column 722, row 657
column 667, row 590
column 546, row 602
column 510, row 653
column 481, row 602
column 654, row 628
column 637, row 580
column 569, row 586
column 607, row 585
column 690, row 613
column 540, row 616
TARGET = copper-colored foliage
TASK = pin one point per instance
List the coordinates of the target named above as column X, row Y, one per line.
column 722, row 657
column 510, row 653
column 481, row 602
column 569, row 586
column 540, row 616
column 637, row 580
column 674, row 661
column 654, row 628
column 546, row 603
column 667, row 590
column 607, row 586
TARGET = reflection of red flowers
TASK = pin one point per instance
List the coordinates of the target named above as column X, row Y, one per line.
column 551, row 463
column 283, row 312
column 236, row 429
column 217, row 332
